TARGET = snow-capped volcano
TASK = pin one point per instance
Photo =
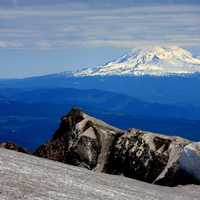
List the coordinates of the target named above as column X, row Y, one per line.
column 150, row 61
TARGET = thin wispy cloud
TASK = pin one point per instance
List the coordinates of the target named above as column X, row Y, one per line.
column 62, row 27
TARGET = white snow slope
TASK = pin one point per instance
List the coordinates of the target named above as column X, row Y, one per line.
column 157, row 61
column 25, row 177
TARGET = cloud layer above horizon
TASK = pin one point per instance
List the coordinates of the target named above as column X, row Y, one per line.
column 78, row 25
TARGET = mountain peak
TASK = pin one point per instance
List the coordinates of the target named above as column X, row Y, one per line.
column 165, row 53
column 156, row 60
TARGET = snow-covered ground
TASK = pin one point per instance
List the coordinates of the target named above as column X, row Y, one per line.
column 27, row 177
column 156, row 61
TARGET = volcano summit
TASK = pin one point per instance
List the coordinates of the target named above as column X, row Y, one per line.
column 157, row 61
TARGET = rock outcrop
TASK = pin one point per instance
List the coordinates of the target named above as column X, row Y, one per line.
column 84, row 141
column 12, row 146
column 81, row 140
column 150, row 157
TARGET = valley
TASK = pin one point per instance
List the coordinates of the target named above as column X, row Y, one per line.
column 30, row 116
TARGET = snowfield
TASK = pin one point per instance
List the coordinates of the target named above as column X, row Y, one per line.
column 157, row 61
column 27, row 177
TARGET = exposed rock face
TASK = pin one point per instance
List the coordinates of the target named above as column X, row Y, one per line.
column 138, row 155
column 84, row 141
column 12, row 146
column 149, row 157
column 81, row 140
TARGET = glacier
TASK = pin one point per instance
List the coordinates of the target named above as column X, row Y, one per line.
column 156, row 61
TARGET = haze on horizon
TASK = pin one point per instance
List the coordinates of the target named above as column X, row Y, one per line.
column 42, row 37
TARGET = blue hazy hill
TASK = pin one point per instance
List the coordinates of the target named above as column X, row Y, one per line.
column 179, row 90
column 30, row 116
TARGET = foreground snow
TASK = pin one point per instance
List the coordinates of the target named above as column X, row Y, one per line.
column 156, row 61
column 29, row 178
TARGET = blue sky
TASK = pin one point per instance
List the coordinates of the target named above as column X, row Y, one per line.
column 41, row 36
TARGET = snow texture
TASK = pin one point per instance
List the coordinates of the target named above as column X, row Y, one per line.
column 25, row 177
column 157, row 61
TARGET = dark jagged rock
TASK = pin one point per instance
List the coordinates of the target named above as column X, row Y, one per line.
column 84, row 141
column 149, row 157
column 12, row 146
column 81, row 140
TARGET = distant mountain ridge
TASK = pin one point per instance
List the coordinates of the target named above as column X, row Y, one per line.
column 29, row 116
column 174, row 89
column 156, row 61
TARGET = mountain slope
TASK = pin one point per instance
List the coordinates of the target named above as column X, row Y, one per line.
column 32, row 115
column 28, row 177
column 156, row 61
column 160, row 89
column 104, row 101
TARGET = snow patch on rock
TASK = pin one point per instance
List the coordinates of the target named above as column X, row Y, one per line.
column 190, row 159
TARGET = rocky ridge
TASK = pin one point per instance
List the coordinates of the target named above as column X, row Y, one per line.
column 84, row 141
